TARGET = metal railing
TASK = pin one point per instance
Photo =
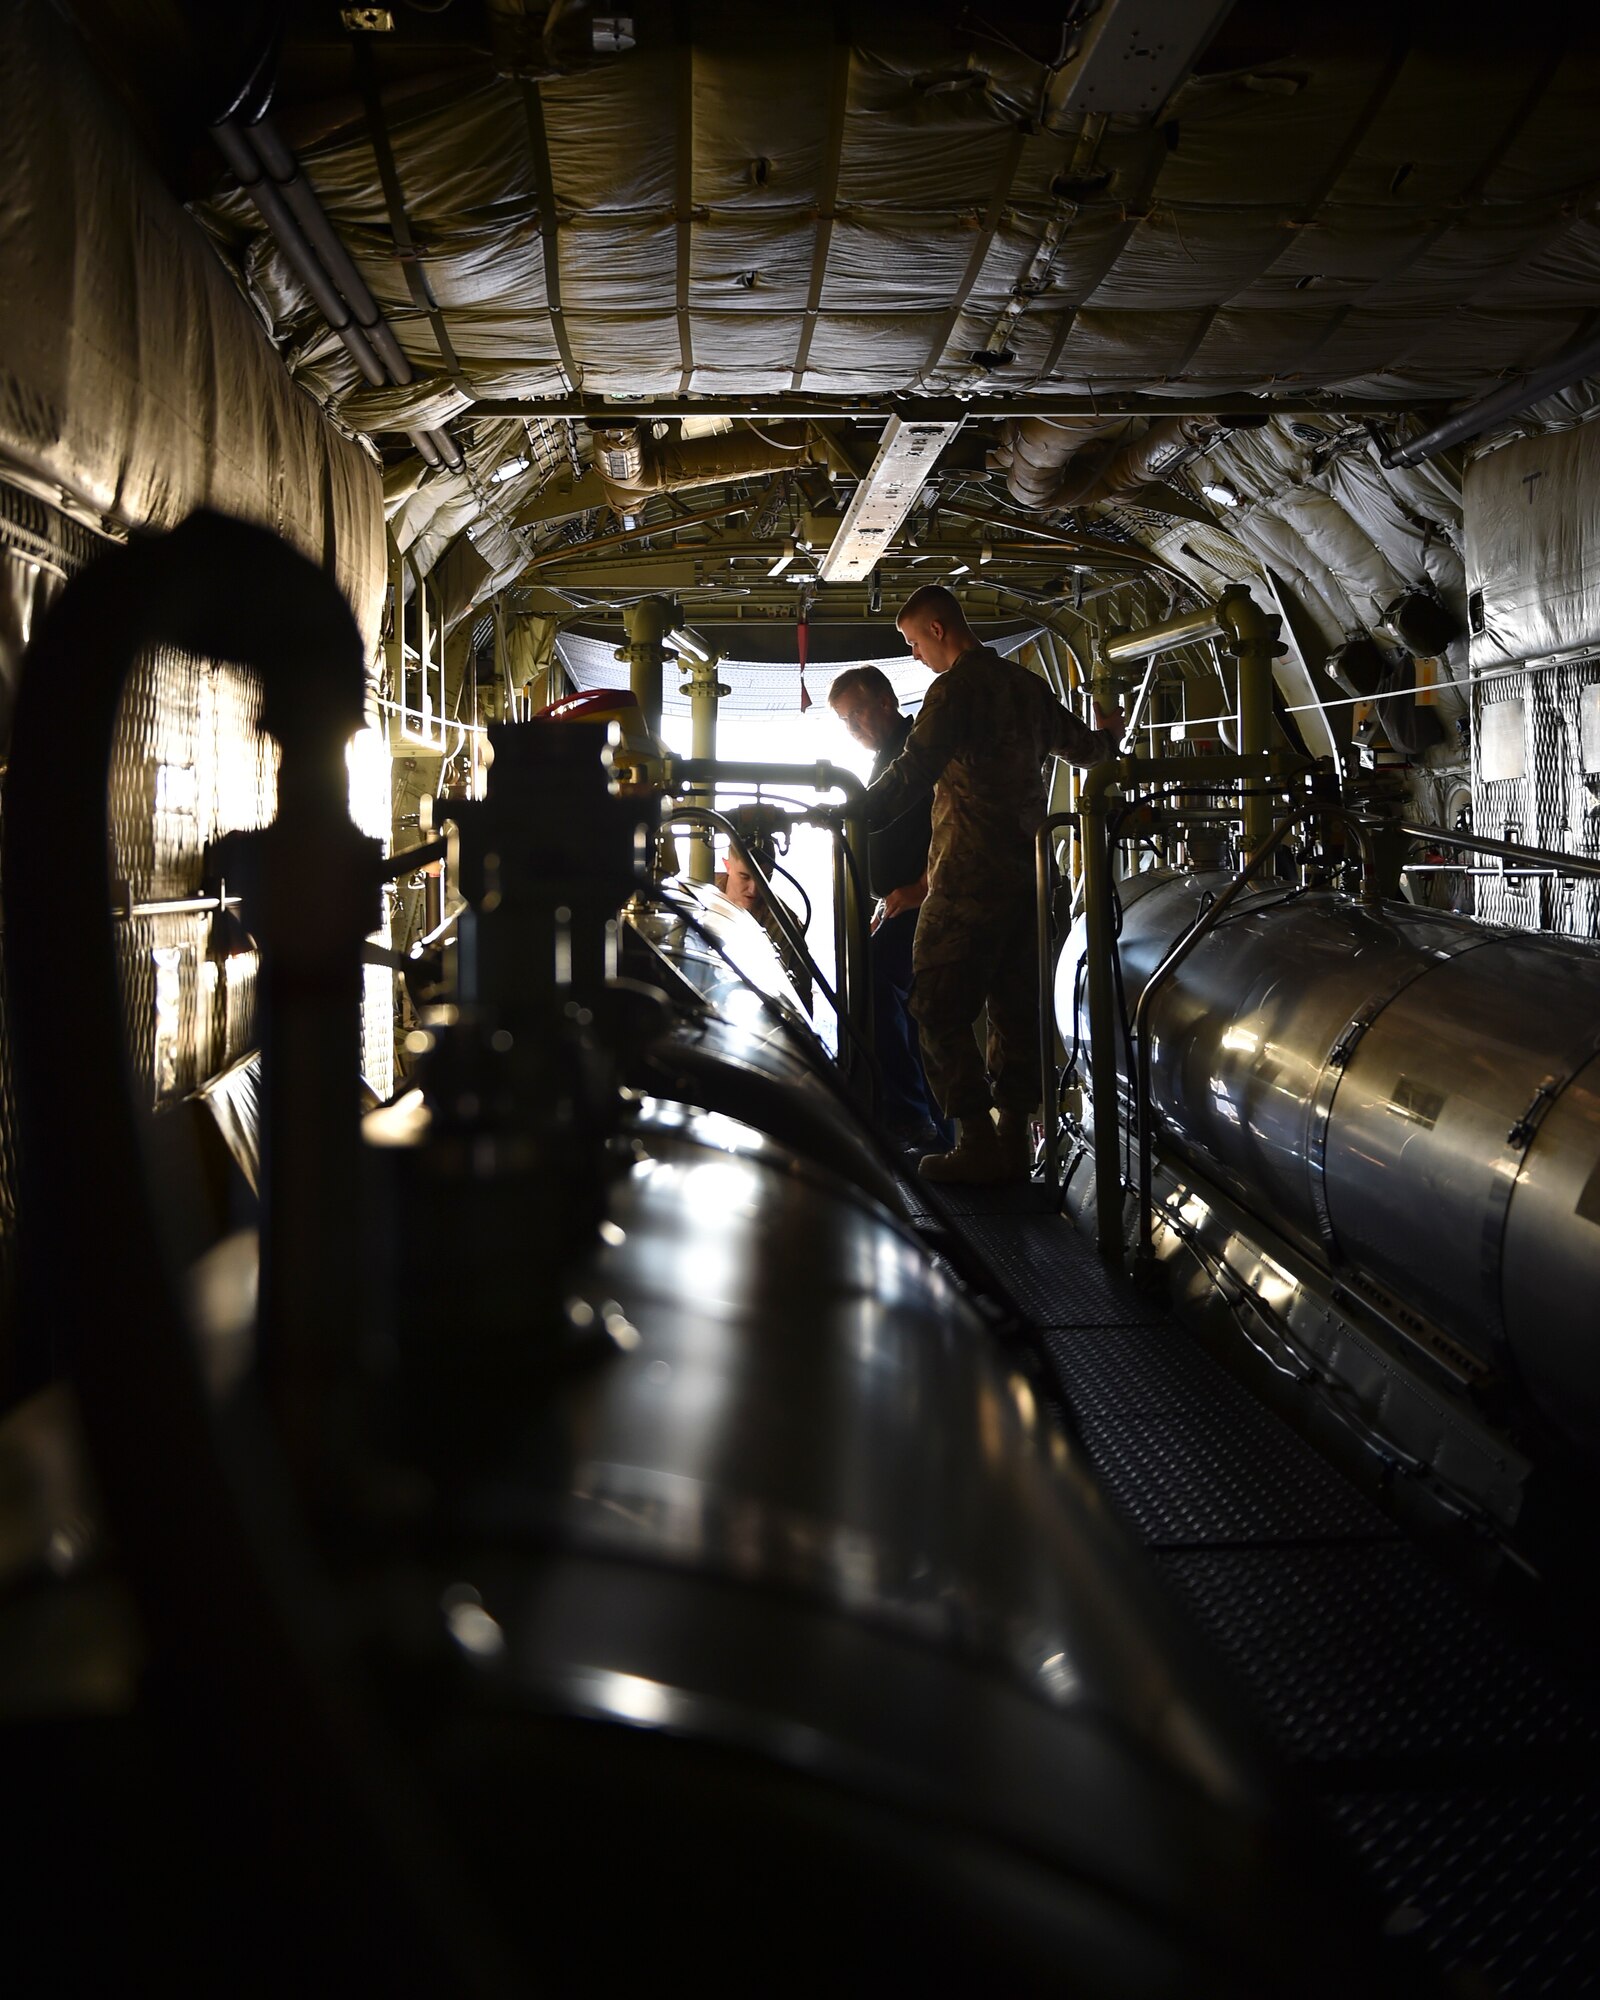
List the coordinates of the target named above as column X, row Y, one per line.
column 852, row 962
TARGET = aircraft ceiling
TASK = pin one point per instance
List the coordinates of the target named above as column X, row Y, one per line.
column 1345, row 218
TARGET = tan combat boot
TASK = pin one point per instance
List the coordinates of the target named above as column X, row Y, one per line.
column 1015, row 1139
column 975, row 1159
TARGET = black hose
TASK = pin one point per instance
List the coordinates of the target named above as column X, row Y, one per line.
column 203, row 1519
column 796, row 939
column 779, row 869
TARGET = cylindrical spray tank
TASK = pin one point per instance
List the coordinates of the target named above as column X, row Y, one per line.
column 1405, row 1093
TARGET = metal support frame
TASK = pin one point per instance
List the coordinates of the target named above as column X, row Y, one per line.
column 852, row 961
column 647, row 623
column 704, row 691
column 1100, row 944
column 1250, row 635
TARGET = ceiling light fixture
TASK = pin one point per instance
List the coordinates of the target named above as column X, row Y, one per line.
column 905, row 456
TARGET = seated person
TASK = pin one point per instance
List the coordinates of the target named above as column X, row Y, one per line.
column 742, row 887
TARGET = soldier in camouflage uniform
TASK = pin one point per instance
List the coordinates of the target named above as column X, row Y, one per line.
column 980, row 746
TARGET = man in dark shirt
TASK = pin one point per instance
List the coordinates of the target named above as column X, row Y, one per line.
column 864, row 700
column 980, row 745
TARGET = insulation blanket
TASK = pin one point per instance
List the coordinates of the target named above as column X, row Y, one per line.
column 1533, row 546
column 135, row 384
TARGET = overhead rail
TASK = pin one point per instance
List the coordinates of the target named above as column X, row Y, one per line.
column 1546, row 860
column 930, row 409
column 1567, row 368
column 271, row 176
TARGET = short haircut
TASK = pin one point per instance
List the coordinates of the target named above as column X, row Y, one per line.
column 863, row 680
column 934, row 601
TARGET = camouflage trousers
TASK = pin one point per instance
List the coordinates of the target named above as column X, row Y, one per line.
column 998, row 968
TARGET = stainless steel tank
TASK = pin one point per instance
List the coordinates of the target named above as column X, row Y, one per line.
column 798, row 1601
column 1405, row 1093
column 739, row 1043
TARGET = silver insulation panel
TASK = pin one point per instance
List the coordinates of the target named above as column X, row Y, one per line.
column 189, row 762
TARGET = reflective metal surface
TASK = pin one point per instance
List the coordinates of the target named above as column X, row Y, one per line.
column 1434, row 1114
column 807, row 1513
column 1552, row 1248
column 723, row 953
column 1390, row 1087
column 743, row 1055
column 811, row 1405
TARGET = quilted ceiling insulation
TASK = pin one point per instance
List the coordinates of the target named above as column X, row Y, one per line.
column 1335, row 222
column 1392, row 204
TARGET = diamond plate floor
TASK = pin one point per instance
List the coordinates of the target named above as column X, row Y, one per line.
column 1461, row 1770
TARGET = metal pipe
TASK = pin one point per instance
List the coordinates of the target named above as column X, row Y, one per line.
column 1131, row 732
column 1559, row 374
column 1100, row 944
column 270, row 174
column 1252, row 639
column 1049, row 1078
column 235, row 147
column 176, row 906
column 874, row 409
column 704, row 691
column 302, row 200
column 1550, row 858
column 1486, row 874
column 433, row 917
column 853, row 970
column 647, row 623
column 1185, row 630
column 412, row 857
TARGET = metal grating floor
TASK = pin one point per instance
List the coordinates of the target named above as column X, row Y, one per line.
column 1461, row 1769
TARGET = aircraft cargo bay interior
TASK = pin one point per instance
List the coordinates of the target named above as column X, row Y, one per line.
column 800, row 1008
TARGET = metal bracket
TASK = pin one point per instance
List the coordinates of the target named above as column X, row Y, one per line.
column 1521, row 1133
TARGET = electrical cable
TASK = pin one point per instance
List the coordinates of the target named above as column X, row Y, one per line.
column 785, row 916
column 799, row 889
column 777, row 444
column 796, row 1023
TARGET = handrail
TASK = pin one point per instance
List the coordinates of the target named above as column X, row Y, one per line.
column 690, row 815
column 1100, row 945
column 853, row 970
column 1044, row 870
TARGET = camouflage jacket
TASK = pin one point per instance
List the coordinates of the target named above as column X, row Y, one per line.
column 980, row 745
